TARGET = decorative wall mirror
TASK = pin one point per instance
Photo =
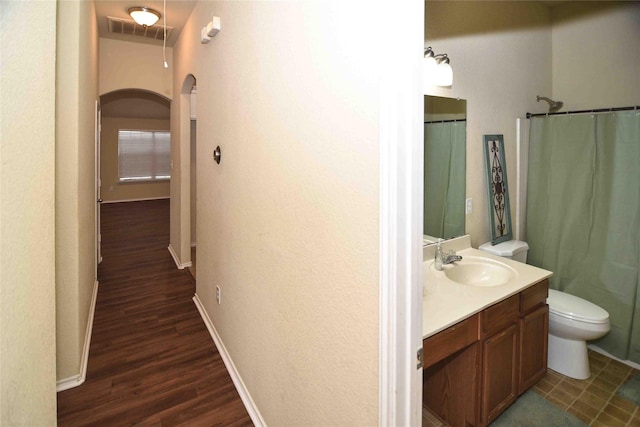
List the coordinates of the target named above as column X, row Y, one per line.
column 445, row 136
column 498, row 190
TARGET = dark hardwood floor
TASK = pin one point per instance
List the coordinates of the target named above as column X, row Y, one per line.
column 152, row 360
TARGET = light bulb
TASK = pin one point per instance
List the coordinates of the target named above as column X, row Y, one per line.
column 429, row 68
column 443, row 75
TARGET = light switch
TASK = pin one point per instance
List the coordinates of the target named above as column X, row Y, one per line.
column 468, row 206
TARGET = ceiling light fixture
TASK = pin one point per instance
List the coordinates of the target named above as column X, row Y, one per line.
column 437, row 70
column 144, row 16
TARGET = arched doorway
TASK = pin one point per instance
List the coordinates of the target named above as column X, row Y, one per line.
column 147, row 175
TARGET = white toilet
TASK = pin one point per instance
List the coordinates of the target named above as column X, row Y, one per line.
column 572, row 320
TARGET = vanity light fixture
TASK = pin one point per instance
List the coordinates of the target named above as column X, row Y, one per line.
column 144, row 16
column 437, row 69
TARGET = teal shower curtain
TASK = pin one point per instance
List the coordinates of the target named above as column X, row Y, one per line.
column 444, row 177
column 583, row 214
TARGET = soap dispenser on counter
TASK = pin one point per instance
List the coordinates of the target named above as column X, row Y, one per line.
column 437, row 262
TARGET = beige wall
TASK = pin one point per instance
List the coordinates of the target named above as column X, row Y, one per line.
column 596, row 56
column 27, row 238
column 109, row 161
column 76, row 95
column 501, row 58
column 128, row 65
column 288, row 222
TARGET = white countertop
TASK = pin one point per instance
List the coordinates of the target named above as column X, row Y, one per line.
column 445, row 302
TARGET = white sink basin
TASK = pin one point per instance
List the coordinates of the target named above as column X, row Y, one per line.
column 479, row 271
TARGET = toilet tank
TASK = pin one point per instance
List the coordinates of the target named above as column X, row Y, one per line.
column 512, row 249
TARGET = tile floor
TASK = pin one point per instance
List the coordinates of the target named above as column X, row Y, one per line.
column 594, row 400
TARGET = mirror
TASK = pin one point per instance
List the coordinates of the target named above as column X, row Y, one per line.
column 445, row 148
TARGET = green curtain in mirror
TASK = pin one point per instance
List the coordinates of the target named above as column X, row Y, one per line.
column 444, row 178
column 583, row 214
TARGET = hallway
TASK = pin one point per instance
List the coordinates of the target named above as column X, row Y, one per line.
column 152, row 360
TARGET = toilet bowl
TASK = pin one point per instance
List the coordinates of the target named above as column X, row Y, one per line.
column 572, row 322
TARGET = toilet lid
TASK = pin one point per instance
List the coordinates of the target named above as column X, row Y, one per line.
column 573, row 307
column 505, row 249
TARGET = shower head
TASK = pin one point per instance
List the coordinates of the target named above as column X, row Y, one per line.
column 553, row 105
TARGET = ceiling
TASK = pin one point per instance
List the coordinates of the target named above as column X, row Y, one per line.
column 177, row 13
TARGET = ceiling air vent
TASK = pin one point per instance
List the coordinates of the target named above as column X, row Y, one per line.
column 124, row 26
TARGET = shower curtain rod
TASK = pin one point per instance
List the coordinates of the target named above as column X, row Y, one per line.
column 446, row 121
column 599, row 110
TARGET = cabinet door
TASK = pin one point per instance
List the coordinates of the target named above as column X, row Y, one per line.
column 450, row 388
column 499, row 372
column 534, row 329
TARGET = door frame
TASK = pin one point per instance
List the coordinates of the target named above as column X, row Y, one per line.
column 98, row 187
column 401, row 210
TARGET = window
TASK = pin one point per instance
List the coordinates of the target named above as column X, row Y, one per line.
column 144, row 155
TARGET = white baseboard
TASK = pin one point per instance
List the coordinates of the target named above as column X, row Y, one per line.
column 135, row 200
column 606, row 353
column 180, row 265
column 249, row 404
column 76, row 380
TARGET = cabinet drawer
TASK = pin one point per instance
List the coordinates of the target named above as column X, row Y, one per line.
column 451, row 340
column 500, row 315
column 534, row 296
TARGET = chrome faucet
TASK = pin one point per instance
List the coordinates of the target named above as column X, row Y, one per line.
column 451, row 257
column 441, row 259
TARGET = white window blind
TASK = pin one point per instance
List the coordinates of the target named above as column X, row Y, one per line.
column 144, row 155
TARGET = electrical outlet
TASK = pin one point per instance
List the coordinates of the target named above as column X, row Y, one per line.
column 468, row 206
column 218, row 294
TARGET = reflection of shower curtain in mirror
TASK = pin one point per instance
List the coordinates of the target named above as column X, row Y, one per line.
column 444, row 178
column 583, row 214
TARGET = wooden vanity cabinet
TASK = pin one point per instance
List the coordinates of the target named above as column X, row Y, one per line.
column 534, row 332
column 475, row 369
column 452, row 373
column 500, row 357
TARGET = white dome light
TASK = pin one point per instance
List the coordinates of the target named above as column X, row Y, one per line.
column 144, row 16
